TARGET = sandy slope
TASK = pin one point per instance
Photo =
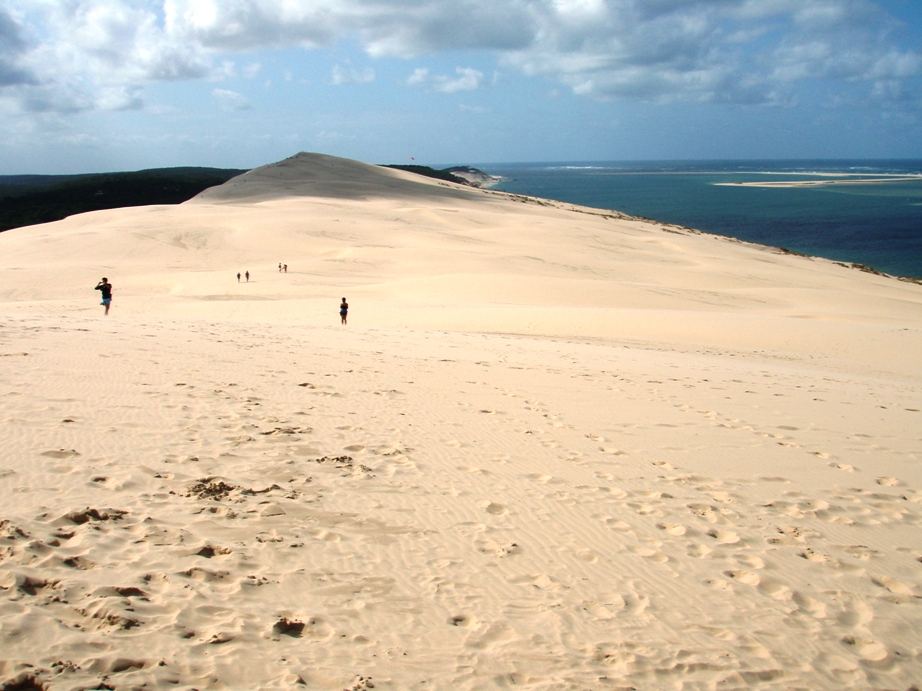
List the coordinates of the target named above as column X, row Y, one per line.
column 553, row 449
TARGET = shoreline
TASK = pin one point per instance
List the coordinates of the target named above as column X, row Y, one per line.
column 684, row 213
column 614, row 213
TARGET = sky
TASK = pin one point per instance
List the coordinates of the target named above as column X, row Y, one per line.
column 106, row 85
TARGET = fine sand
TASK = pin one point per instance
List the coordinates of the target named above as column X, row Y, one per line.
column 554, row 448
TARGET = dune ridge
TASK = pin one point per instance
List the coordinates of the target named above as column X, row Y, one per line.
column 555, row 448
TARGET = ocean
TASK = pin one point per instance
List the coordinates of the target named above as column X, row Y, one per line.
column 871, row 214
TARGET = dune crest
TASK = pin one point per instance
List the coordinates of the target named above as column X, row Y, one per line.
column 319, row 175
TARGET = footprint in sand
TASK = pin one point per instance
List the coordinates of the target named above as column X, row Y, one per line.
column 843, row 466
column 744, row 576
column 588, row 556
column 676, row 529
column 465, row 621
column 617, row 524
column 540, row 581
column 720, row 496
column 751, row 561
column 699, row 551
column 325, row 535
column 635, row 603
column 888, row 481
column 473, row 470
column 858, row 614
column 599, row 611
column 726, row 537
column 495, row 549
column 496, row 634
column 317, row 629
column 61, row 453
column 867, row 648
column 894, row 586
column 707, row 512
column 648, row 553
column 645, row 509
column 809, row 506
column 496, row 509
column 807, row 604
column 715, row 584
column 774, row 590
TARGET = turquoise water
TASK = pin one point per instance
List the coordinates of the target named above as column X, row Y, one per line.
column 878, row 225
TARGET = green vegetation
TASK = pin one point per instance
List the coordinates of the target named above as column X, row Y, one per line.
column 29, row 199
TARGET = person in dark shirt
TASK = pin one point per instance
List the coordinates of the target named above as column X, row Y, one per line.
column 106, row 288
column 343, row 310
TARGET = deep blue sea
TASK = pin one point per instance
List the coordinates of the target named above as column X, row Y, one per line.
column 876, row 224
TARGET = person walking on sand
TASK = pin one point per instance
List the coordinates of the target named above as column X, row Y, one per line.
column 247, row 274
column 343, row 310
column 106, row 289
column 238, row 277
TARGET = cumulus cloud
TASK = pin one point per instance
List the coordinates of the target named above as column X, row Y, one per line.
column 400, row 28
column 744, row 51
column 231, row 100
column 78, row 55
column 467, row 79
column 739, row 51
column 346, row 74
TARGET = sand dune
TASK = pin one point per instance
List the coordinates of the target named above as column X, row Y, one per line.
column 555, row 448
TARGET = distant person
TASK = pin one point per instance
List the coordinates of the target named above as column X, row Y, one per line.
column 238, row 277
column 106, row 288
column 286, row 268
column 247, row 274
column 343, row 310
column 280, row 267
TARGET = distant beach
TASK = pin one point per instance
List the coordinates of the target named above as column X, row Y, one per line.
column 829, row 179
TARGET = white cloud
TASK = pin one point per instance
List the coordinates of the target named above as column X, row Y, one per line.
column 71, row 55
column 231, row 100
column 701, row 50
column 352, row 75
column 468, row 79
column 88, row 54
